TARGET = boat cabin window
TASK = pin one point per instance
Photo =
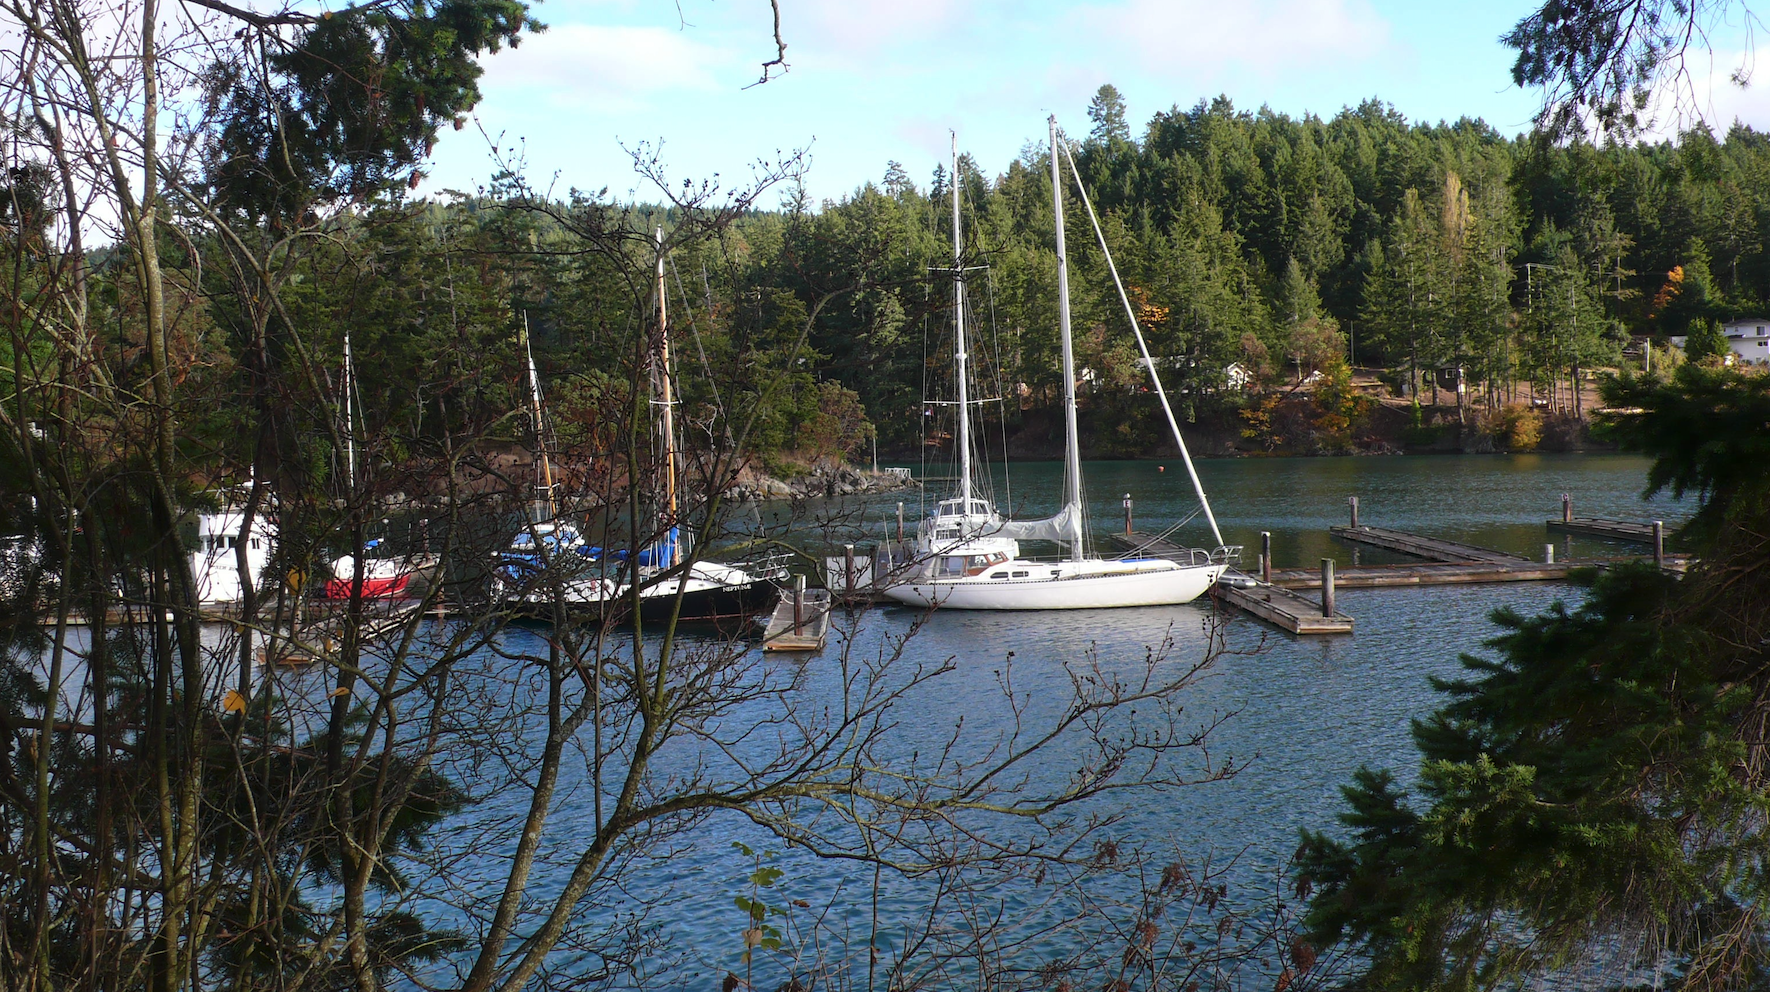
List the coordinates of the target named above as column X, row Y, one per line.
column 947, row 535
column 971, row 564
column 956, row 507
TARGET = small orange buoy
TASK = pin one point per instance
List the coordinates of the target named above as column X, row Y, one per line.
column 1161, row 468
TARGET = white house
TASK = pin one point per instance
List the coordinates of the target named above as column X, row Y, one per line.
column 1749, row 337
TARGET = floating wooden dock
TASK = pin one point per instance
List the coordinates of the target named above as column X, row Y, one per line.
column 805, row 633
column 1437, row 574
column 1429, row 548
column 1637, row 531
column 1277, row 606
column 1283, row 608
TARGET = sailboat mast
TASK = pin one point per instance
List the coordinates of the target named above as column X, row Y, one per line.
column 1148, row 360
column 349, row 419
column 959, row 355
column 1072, row 450
column 544, row 469
column 671, row 550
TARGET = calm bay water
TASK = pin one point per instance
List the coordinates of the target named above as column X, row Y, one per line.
column 1299, row 715
column 1496, row 501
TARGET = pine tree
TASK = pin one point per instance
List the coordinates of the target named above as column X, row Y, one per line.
column 1106, row 112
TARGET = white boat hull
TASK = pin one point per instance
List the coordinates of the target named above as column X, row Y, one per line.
column 1085, row 585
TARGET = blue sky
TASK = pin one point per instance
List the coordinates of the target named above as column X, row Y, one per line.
column 880, row 80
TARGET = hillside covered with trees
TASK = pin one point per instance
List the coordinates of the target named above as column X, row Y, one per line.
column 1257, row 247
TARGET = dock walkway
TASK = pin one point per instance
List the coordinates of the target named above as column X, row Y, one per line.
column 807, row 631
column 1271, row 603
column 1436, row 574
column 1622, row 530
column 1429, row 548
column 1283, row 608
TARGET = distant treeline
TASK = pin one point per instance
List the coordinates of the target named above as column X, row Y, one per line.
column 1245, row 237
column 1255, row 247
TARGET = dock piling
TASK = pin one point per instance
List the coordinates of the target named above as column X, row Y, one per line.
column 1127, row 514
column 1659, row 544
column 900, row 522
column 798, row 603
column 848, row 570
column 1352, row 501
column 1567, row 508
column 1548, row 554
column 1266, row 557
column 1327, row 587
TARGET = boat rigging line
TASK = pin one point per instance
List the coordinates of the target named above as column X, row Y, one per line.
column 1142, row 346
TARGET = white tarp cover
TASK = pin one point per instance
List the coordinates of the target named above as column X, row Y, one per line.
column 1062, row 527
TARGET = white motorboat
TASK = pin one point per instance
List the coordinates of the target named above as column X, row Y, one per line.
column 215, row 564
column 967, row 556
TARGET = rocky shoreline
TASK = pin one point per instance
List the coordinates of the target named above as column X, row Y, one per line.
column 820, row 481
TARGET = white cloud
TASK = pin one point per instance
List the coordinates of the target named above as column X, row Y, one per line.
column 863, row 27
column 1264, row 37
column 1706, row 92
column 608, row 67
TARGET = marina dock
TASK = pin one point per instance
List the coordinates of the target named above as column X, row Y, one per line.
column 1285, row 609
column 1638, row 531
column 1269, row 601
column 801, row 621
column 1436, row 574
column 1429, row 548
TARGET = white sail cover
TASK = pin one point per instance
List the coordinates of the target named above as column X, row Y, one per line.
column 1062, row 527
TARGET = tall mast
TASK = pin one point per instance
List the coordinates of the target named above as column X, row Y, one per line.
column 671, row 550
column 959, row 356
column 1148, row 360
column 349, row 419
column 544, row 508
column 1072, row 451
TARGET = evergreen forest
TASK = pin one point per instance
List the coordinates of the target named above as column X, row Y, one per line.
column 1258, row 249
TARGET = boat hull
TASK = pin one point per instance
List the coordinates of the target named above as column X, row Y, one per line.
column 393, row 587
column 711, row 593
column 1075, row 586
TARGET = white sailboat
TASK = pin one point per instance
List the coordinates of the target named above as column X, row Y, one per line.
column 967, row 529
column 967, row 555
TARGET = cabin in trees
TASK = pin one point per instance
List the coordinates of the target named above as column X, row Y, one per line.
column 1749, row 337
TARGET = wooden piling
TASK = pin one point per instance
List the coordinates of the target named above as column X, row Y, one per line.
column 848, row 570
column 1659, row 544
column 798, row 603
column 1352, row 501
column 1327, row 587
column 1567, row 508
column 1266, row 556
column 1548, row 554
